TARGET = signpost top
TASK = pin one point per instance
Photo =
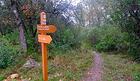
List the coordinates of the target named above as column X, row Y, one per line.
column 43, row 18
column 42, row 27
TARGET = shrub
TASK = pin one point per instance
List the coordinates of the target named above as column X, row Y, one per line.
column 134, row 47
column 109, row 38
column 136, row 76
column 1, row 78
column 66, row 38
column 8, row 52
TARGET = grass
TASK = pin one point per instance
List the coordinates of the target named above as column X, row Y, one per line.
column 1, row 77
column 120, row 68
column 69, row 66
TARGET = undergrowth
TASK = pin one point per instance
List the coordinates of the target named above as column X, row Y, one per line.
column 68, row 66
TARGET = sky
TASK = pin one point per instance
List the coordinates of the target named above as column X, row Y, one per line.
column 74, row 2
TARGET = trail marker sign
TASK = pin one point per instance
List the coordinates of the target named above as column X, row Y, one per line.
column 44, row 39
column 46, row 28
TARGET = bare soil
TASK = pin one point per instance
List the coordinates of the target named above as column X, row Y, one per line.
column 95, row 72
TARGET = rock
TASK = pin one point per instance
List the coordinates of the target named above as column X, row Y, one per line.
column 31, row 63
column 24, row 80
column 5, row 80
column 16, row 77
column 60, row 80
column 13, row 76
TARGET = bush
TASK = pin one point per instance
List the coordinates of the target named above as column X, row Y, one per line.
column 8, row 52
column 134, row 47
column 66, row 38
column 136, row 76
column 1, row 78
column 109, row 38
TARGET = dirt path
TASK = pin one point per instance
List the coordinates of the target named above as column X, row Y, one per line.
column 95, row 72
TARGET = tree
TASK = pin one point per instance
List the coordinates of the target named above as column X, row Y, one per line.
column 20, row 24
column 126, row 15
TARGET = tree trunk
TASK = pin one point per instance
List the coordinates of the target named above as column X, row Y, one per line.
column 1, row 29
column 20, row 26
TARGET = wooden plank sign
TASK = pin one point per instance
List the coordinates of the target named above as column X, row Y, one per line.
column 46, row 28
column 44, row 39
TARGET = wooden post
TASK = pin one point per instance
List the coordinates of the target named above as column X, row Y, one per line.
column 44, row 40
column 44, row 61
column 44, row 49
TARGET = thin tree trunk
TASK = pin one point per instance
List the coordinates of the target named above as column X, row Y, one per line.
column 1, row 29
column 20, row 26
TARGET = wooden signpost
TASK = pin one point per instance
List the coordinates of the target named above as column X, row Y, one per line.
column 44, row 39
column 46, row 28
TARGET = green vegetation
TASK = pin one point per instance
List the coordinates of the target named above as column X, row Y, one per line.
column 67, row 38
column 1, row 77
column 136, row 76
column 126, row 15
column 8, row 52
column 68, row 66
column 120, row 68
column 109, row 38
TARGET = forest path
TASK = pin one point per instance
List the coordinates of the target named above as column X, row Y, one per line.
column 95, row 72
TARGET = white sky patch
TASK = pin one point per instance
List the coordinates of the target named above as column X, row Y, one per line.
column 2, row 3
column 108, row 16
column 75, row 2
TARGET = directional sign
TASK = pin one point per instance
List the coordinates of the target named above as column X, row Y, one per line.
column 46, row 28
column 44, row 39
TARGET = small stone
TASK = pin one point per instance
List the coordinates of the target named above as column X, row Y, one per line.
column 13, row 76
column 24, row 80
column 31, row 63
column 5, row 80
column 60, row 80
column 29, row 79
